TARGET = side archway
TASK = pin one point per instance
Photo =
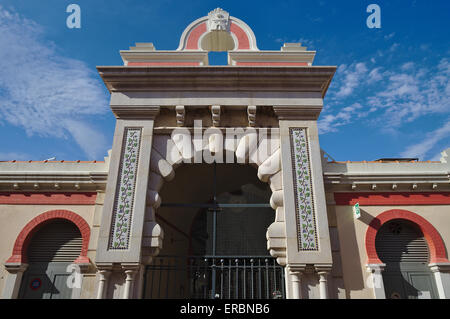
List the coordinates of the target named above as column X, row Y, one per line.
column 19, row 254
column 431, row 235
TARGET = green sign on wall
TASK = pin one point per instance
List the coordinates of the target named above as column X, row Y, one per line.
column 357, row 211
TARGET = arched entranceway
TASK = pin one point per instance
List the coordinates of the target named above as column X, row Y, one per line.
column 215, row 219
column 51, row 249
column 401, row 245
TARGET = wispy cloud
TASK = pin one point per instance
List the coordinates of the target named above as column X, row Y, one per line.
column 390, row 99
column 426, row 145
column 352, row 76
column 40, row 90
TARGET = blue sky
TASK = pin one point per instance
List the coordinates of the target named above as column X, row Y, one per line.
column 389, row 98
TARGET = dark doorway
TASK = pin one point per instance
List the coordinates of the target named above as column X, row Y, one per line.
column 226, row 242
column 402, row 247
column 52, row 249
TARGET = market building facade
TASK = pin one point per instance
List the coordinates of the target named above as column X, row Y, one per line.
column 216, row 187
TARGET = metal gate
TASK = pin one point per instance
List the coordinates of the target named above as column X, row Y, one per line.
column 219, row 277
column 229, row 257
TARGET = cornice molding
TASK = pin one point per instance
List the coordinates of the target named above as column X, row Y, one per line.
column 297, row 112
column 149, row 112
column 52, row 181
column 218, row 78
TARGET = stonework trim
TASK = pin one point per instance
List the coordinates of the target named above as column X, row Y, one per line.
column 394, row 198
column 125, row 190
column 59, row 198
column 303, row 190
column 434, row 240
column 24, row 237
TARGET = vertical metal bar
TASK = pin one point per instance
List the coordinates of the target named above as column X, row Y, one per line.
column 197, row 274
column 274, row 276
column 283, row 290
column 168, row 278
column 175, row 282
column 213, row 273
column 245, row 282
column 213, row 279
column 253, row 284
column 236, row 296
column 221, row 279
column 160, row 275
column 259, row 279
column 229, row 278
column 191, row 276
column 267, row 278
column 205, row 270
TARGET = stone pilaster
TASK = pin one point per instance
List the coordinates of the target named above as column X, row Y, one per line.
column 13, row 279
column 441, row 272
column 124, row 209
column 308, row 239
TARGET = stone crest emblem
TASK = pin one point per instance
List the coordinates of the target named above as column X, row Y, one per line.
column 218, row 20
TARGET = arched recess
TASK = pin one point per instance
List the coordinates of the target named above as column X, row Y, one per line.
column 242, row 34
column 19, row 254
column 434, row 240
column 168, row 152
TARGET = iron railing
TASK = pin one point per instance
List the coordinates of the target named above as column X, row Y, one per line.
column 217, row 277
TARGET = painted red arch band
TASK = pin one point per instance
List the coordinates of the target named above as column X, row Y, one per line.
column 22, row 241
column 434, row 240
column 198, row 31
column 243, row 40
column 194, row 35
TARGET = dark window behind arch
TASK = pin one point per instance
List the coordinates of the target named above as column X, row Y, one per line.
column 401, row 241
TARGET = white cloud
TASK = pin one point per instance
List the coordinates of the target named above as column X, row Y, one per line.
column 407, row 66
column 391, row 97
column 411, row 93
column 40, row 89
column 352, row 75
column 431, row 139
column 374, row 75
column 329, row 122
column 87, row 137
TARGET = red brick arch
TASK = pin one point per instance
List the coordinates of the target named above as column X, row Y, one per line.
column 20, row 246
column 434, row 240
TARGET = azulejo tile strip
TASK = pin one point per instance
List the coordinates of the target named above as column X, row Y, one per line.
column 303, row 191
column 124, row 199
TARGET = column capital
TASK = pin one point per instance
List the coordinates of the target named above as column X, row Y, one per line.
column 439, row 267
column 130, row 267
column 296, row 268
column 104, row 273
column 14, row 268
column 323, row 269
column 104, row 266
column 372, row 268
